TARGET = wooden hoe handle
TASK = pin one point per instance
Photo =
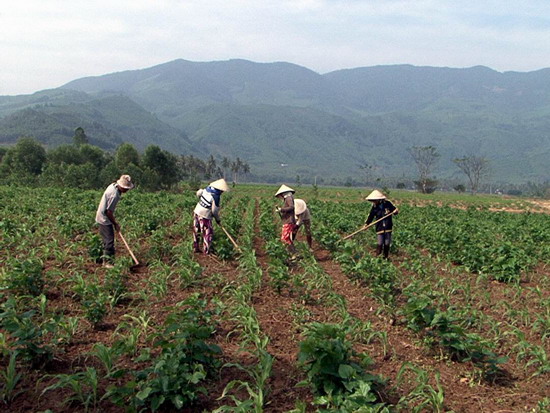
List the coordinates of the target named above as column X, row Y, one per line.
column 128, row 248
column 368, row 226
column 230, row 238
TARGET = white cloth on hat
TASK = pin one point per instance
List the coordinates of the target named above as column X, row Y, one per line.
column 283, row 188
column 375, row 196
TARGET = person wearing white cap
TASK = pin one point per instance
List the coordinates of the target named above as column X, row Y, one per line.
column 302, row 216
column 207, row 208
column 287, row 216
column 381, row 208
column 105, row 216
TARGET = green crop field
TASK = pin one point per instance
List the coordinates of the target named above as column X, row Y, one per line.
column 458, row 320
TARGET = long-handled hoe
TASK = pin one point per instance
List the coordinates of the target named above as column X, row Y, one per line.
column 367, row 226
column 137, row 267
column 231, row 239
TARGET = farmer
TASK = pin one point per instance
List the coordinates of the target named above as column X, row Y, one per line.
column 302, row 216
column 207, row 207
column 105, row 216
column 287, row 216
column 381, row 207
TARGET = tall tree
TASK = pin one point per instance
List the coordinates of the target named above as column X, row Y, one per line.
column 246, row 168
column 125, row 155
column 475, row 168
column 211, row 167
column 80, row 137
column 226, row 164
column 94, row 155
column 65, row 154
column 236, row 167
column 425, row 158
column 28, row 156
column 163, row 164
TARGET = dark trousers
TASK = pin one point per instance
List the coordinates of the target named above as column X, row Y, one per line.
column 384, row 242
column 107, row 233
column 384, row 238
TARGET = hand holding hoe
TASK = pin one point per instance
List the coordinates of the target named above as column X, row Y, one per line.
column 368, row 226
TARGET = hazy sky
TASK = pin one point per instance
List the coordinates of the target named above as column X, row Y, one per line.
column 46, row 43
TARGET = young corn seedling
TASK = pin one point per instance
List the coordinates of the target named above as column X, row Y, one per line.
column 108, row 357
column 84, row 387
column 67, row 328
column 423, row 396
column 539, row 359
column 160, row 274
column 10, row 379
column 257, row 389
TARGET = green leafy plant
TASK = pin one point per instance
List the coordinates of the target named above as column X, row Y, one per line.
column 95, row 304
column 327, row 358
column 176, row 375
column 442, row 328
column 28, row 336
column 95, row 247
column 25, row 277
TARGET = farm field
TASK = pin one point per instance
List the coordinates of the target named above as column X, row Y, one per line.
column 458, row 320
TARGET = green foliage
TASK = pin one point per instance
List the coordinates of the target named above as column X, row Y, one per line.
column 24, row 277
column 256, row 390
column 27, row 156
column 80, row 137
column 423, row 395
column 328, row 238
column 108, row 356
column 26, row 333
column 86, row 166
column 223, row 248
column 76, row 166
column 162, row 165
column 94, row 301
column 444, row 328
column 338, row 380
column 176, row 375
column 9, row 378
column 95, row 247
column 84, row 387
column 125, row 155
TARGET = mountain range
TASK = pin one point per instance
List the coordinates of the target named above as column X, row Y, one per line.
column 287, row 121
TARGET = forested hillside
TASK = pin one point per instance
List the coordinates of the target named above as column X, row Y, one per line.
column 289, row 121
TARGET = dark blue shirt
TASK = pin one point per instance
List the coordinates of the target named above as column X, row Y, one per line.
column 379, row 211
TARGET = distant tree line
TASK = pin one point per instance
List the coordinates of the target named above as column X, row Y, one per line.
column 84, row 166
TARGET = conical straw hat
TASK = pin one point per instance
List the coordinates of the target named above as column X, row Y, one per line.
column 299, row 206
column 220, row 184
column 375, row 196
column 284, row 189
